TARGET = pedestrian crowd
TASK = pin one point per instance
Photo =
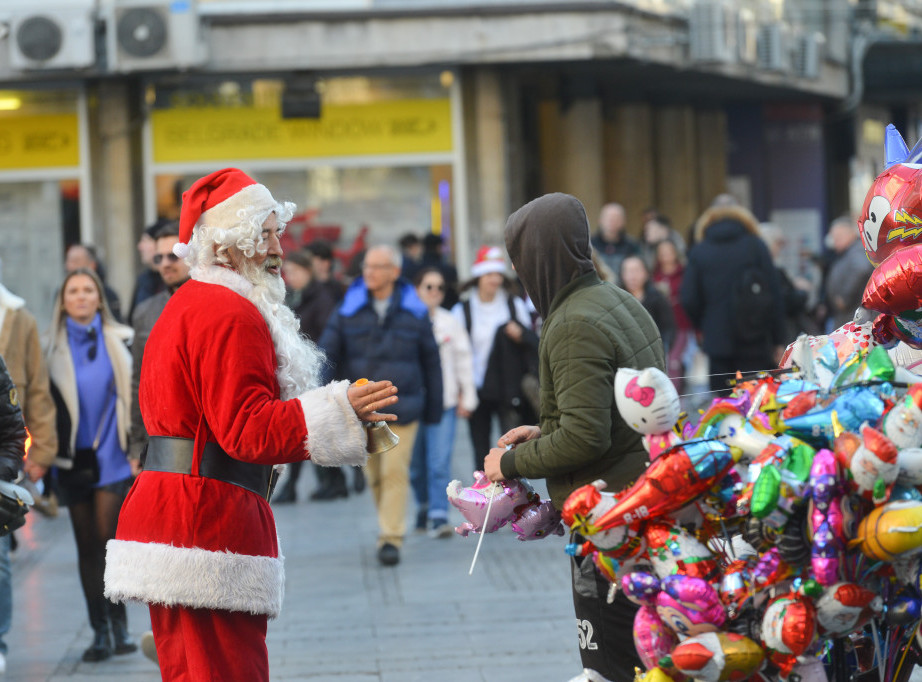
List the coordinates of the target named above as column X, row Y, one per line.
column 487, row 351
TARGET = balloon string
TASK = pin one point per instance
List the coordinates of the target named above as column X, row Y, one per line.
column 907, row 648
column 733, row 374
column 483, row 529
column 880, row 659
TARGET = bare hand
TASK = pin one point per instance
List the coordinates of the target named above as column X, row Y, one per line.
column 491, row 465
column 33, row 471
column 519, row 434
column 367, row 397
column 514, row 331
column 464, row 414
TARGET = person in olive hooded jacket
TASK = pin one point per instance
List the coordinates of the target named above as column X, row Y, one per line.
column 591, row 328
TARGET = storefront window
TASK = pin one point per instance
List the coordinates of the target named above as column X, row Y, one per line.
column 39, row 192
column 372, row 161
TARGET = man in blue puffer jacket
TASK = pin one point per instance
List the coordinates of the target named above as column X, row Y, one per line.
column 382, row 331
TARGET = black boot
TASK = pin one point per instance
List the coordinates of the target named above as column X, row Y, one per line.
column 101, row 648
column 118, row 619
column 332, row 484
column 358, row 479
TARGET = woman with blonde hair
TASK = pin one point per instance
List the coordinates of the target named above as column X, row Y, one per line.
column 90, row 369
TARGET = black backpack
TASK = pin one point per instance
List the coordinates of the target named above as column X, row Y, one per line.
column 752, row 306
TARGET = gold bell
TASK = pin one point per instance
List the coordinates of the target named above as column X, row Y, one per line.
column 380, row 438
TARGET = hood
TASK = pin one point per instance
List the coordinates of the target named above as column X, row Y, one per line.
column 548, row 242
column 737, row 215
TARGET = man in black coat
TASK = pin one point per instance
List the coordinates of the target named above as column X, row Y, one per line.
column 731, row 294
column 12, row 451
column 382, row 331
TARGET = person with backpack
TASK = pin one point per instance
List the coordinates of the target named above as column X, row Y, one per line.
column 505, row 349
column 732, row 295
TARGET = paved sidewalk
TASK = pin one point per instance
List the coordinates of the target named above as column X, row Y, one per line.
column 345, row 618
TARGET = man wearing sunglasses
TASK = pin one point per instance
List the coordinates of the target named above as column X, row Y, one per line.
column 228, row 389
column 174, row 272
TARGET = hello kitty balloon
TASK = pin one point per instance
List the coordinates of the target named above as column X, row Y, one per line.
column 648, row 401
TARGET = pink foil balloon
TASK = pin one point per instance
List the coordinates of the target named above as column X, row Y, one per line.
column 510, row 499
column 652, row 638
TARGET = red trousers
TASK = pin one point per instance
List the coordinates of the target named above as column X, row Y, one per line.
column 199, row 645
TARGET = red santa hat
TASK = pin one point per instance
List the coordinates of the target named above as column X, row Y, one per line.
column 489, row 259
column 217, row 200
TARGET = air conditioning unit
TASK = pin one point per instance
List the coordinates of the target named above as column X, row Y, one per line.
column 55, row 36
column 747, row 34
column 808, row 52
column 772, row 47
column 712, row 27
column 146, row 36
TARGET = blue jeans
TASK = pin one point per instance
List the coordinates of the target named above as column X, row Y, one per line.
column 430, row 468
column 6, row 591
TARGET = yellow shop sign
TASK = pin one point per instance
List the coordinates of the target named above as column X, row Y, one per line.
column 211, row 134
column 39, row 141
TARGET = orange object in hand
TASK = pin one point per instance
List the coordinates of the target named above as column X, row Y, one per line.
column 361, row 382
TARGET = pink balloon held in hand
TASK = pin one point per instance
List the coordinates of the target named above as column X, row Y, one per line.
column 510, row 497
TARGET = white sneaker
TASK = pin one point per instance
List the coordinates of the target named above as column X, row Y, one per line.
column 149, row 647
column 2, row 664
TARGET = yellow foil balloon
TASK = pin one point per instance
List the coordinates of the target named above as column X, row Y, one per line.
column 718, row 656
column 655, row 675
column 891, row 531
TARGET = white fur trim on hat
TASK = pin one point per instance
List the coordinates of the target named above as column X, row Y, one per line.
column 335, row 436
column 251, row 200
column 489, row 259
column 181, row 250
column 480, row 269
column 156, row 573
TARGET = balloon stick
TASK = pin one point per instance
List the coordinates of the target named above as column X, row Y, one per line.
column 486, row 520
column 483, row 529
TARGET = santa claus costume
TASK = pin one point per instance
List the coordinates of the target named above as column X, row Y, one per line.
column 227, row 390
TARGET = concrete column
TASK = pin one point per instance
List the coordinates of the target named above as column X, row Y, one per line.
column 712, row 155
column 581, row 158
column 486, row 136
column 629, row 161
column 676, row 164
column 115, row 169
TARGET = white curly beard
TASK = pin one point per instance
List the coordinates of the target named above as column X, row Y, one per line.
column 299, row 359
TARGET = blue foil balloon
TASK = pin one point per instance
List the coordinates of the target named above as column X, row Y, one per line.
column 853, row 407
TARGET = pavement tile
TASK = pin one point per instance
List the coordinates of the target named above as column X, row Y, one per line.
column 345, row 618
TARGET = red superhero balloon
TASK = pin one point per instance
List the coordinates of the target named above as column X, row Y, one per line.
column 891, row 218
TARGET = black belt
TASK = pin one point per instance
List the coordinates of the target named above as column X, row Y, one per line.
column 174, row 456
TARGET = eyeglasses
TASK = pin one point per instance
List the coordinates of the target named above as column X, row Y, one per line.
column 91, row 333
column 434, row 287
column 158, row 257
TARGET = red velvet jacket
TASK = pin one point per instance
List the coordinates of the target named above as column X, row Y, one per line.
column 209, row 374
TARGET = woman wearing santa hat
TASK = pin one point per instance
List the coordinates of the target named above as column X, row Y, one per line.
column 228, row 389
column 503, row 344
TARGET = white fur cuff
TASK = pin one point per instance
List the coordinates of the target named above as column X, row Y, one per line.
column 335, row 436
column 196, row 578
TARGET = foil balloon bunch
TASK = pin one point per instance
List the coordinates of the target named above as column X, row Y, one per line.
column 890, row 226
column 512, row 502
column 778, row 535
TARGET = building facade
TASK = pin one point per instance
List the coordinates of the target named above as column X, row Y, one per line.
column 381, row 117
